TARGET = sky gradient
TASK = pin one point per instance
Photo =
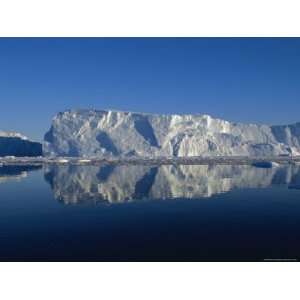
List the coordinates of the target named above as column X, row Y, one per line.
column 237, row 79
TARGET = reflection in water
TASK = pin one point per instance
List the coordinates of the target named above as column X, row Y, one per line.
column 15, row 172
column 109, row 183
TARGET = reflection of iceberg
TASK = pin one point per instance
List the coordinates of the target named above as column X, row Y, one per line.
column 72, row 184
column 8, row 172
column 121, row 183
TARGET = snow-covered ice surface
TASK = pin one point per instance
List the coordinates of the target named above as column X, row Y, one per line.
column 13, row 135
column 92, row 133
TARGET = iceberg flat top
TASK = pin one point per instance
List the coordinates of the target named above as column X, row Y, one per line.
column 12, row 135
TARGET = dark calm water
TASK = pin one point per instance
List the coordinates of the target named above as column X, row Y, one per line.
column 149, row 213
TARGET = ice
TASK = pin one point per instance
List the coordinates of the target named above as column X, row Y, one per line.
column 94, row 134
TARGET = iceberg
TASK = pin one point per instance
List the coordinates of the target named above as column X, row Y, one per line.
column 15, row 144
column 95, row 133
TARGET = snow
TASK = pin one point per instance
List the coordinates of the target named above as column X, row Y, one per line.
column 92, row 133
column 12, row 135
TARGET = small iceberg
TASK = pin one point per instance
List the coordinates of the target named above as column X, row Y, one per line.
column 275, row 164
column 83, row 161
column 265, row 164
column 262, row 164
column 62, row 161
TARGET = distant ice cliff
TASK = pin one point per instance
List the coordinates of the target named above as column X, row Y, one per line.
column 16, row 144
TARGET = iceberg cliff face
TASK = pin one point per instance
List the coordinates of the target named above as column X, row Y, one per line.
column 91, row 133
column 16, row 144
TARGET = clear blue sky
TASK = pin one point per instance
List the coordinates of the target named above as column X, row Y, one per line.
column 242, row 80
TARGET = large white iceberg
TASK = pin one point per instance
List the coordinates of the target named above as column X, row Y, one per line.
column 93, row 133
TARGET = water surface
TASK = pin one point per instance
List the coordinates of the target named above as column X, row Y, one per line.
column 149, row 213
